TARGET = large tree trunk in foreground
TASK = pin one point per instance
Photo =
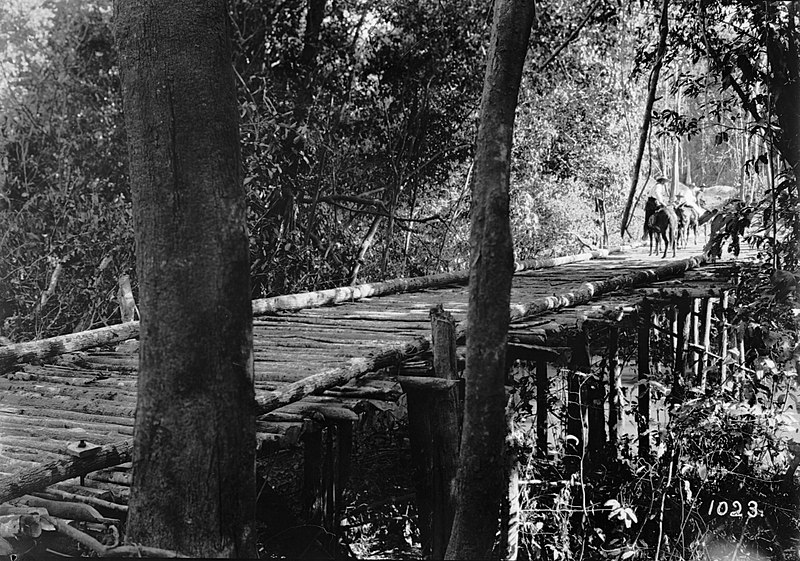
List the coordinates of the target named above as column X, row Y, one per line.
column 194, row 440
column 480, row 476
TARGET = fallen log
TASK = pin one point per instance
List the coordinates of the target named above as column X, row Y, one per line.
column 39, row 477
column 332, row 296
column 54, row 346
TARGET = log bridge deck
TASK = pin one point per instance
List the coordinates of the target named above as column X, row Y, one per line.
column 303, row 361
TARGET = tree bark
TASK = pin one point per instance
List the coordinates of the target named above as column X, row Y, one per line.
column 194, row 438
column 648, row 112
column 480, row 476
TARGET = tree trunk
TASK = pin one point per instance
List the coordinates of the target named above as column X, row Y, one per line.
column 480, row 476
column 194, row 438
column 648, row 112
column 785, row 63
column 314, row 17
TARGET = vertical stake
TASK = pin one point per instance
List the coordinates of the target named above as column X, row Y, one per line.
column 708, row 316
column 695, row 354
column 575, row 405
column 434, row 419
column 542, row 391
column 643, row 412
column 723, row 335
column 679, row 366
column 613, row 386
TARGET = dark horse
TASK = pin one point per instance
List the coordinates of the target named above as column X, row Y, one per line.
column 660, row 222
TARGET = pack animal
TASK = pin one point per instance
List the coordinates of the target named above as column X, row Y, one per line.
column 687, row 222
column 661, row 223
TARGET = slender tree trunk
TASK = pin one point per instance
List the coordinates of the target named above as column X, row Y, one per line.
column 648, row 111
column 314, row 16
column 194, row 438
column 365, row 245
column 480, row 485
column 785, row 63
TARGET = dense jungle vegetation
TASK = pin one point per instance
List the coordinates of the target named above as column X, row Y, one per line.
column 358, row 122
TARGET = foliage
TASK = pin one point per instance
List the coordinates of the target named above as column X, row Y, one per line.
column 64, row 194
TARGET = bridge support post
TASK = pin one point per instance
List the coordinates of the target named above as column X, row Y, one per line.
column 708, row 317
column 643, row 410
column 613, row 387
column 695, row 342
column 326, row 469
column 579, row 363
column 312, row 500
column 434, row 421
column 723, row 335
column 542, row 390
column 682, row 335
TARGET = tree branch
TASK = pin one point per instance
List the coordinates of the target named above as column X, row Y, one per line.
column 571, row 37
column 748, row 103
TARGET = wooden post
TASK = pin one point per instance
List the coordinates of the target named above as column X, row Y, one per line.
column 613, row 386
column 542, row 390
column 679, row 366
column 329, row 469
column 723, row 335
column 510, row 513
column 695, row 355
column 344, row 449
column 672, row 316
column 708, row 315
column 575, row 405
column 643, row 412
column 508, row 545
column 312, row 502
column 434, row 430
column 596, row 417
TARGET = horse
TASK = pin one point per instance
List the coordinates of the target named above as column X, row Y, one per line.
column 660, row 223
column 687, row 221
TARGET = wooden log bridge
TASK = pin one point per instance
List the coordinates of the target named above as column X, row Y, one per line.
column 324, row 360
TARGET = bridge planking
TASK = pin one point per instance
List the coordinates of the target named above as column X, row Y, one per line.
column 91, row 395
